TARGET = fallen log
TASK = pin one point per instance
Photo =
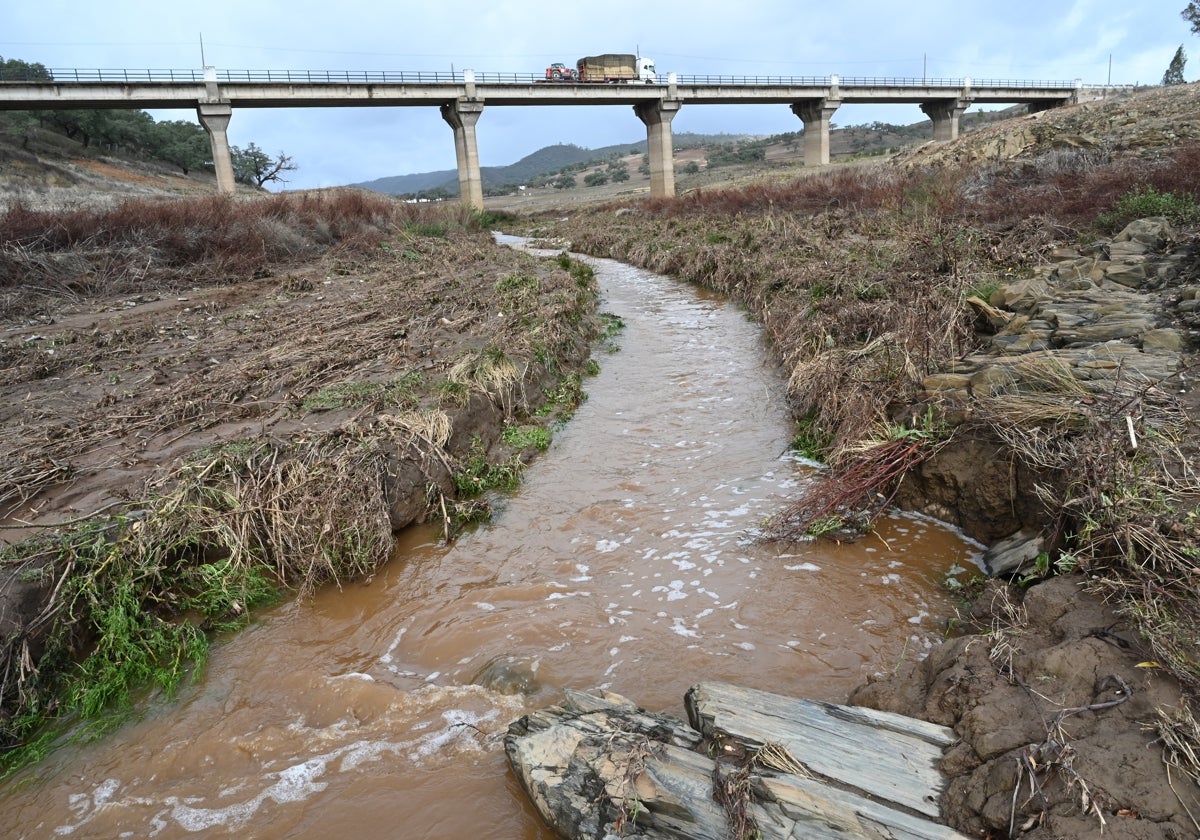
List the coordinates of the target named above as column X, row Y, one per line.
column 600, row 766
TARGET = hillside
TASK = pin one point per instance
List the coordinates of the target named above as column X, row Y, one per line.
column 52, row 171
column 544, row 162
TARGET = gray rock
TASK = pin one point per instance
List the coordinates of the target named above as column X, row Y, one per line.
column 508, row 674
column 1153, row 232
column 1011, row 554
column 994, row 379
column 945, row 382
column 1129, row 274
column 1131, row 248
column 1164, row 339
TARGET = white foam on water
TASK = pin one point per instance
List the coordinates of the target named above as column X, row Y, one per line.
column 351, row 675
column 674, row 590
column 387, row 654
column 803, row 567
column 679, row 626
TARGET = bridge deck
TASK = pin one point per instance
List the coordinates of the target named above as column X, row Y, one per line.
column 293, row 89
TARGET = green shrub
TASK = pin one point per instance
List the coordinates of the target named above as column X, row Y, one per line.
column 1144, row 202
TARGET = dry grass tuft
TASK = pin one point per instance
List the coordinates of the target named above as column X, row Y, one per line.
column 1179, row 734
column 844, row 502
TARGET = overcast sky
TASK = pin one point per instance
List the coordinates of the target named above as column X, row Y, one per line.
column 1092, row 40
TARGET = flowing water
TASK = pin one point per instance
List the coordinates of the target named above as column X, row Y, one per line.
column 626, row 561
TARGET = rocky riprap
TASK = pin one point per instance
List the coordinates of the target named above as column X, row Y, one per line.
column 1112, row 322
column 1108, row 310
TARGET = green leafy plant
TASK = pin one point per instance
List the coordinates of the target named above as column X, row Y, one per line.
column 524, row 437
column 565, row 397
column 478, row 475
column 611, row 327
column 431, row 229
column 809, row 440
column 1145, row 201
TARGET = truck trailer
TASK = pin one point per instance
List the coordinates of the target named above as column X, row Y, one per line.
column 610, row 68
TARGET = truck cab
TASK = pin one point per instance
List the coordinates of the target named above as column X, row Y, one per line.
column 646, row 72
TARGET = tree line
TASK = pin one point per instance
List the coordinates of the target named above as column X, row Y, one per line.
column 181, row 143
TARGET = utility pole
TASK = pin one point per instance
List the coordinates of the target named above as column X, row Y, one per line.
column 203, row 63
column 1109, row 70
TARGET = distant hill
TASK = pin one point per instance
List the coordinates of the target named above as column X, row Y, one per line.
column 544, row 162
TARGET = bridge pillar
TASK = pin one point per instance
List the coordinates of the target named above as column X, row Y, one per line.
column 461, row 115
column 816, row 114
column 945, row 114
column 660, row 147
column 215, row 116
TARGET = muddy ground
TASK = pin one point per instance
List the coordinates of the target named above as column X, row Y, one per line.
column 1057, row 705
column 421, row 345
column 99, row 392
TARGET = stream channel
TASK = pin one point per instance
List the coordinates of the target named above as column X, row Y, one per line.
column 625, row 561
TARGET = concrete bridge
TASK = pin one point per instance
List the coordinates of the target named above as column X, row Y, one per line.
column 462, row 98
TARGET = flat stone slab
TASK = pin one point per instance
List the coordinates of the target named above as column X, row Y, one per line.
column 599, row 766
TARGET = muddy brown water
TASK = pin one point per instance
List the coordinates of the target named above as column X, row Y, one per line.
column 626, row 561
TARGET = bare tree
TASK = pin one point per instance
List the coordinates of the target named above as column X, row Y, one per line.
column 254, row 166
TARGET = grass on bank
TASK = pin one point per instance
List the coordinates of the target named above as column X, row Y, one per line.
column 134, row 595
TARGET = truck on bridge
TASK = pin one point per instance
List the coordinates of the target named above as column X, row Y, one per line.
column 609, row 68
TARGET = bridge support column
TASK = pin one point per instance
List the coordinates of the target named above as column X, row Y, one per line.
column 945, row 114
column 816, row 114
column 660, row 146
column 462, row 115
column 215, row 116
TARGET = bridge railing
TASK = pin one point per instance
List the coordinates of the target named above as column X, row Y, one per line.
column 321, row 77
column 75, row 75
column 793, row 81
column 451, row 77
column 888, row 81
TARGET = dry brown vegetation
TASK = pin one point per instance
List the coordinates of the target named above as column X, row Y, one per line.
column 207, row 402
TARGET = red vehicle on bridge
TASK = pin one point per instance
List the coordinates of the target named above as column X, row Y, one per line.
column 559, row 72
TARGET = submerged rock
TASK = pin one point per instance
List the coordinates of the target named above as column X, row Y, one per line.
column 509, row 674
